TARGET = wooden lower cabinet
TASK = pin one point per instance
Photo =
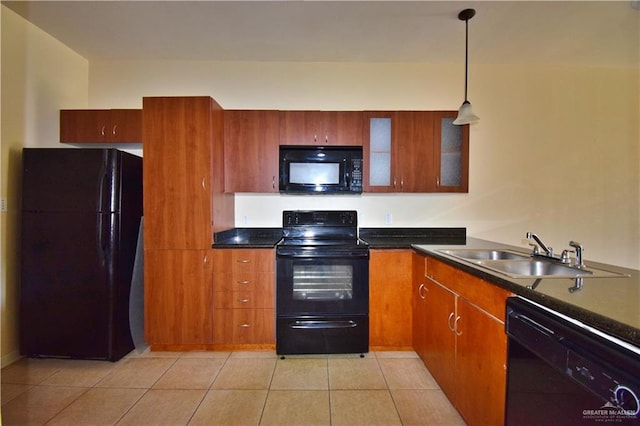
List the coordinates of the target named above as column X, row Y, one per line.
column 178, row 299
column 459, row 334
column 390, row 289
column 244, row 298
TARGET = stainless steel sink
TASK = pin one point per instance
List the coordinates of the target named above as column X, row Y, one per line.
column 535, row 268
column 485, row 254
column 519, row 265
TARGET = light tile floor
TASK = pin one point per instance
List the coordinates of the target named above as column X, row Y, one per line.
column 222, row 388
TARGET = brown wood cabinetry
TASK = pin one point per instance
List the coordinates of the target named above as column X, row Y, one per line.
column 178, row 298
column 244, row 299
column 321, row 128
column 101, row 126
column 390, row 292
column 414, row 151
column 462, row 340
column 183, row 205
column 251, row 140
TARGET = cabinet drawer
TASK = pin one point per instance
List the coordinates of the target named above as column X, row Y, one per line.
column 482, row 294
column 441, row 272
column 244, row 260
column 244, row 281
column 244, row 326
column 243, row 300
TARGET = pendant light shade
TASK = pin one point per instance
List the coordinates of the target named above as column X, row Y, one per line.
column 465, row 113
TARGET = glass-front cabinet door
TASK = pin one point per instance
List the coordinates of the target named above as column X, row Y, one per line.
column 378, row 154
column 451, row 152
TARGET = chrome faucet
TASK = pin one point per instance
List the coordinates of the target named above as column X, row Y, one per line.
column 547, row 250
column 579, row 248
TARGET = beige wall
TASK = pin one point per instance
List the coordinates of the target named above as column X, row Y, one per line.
column 556, row 151
column 39, row 76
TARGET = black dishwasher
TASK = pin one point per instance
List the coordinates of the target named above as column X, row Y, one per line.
column 561, row 372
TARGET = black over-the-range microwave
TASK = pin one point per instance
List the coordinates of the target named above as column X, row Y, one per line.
column 320, row 169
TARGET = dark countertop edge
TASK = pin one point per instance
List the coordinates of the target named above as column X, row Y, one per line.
column 247, row 238
column 398, row 238
column 603, row 323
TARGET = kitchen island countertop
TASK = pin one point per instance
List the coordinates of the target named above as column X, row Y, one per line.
column 609, row 304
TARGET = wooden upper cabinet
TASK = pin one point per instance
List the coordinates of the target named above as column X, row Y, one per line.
column 251, row 140
column 415, row 151
column 321, row 128
column 414, row 171
column 101, row 126
column 183, row 173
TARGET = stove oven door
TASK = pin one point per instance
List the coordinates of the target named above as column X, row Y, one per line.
column 329, row 284
column 322, row 303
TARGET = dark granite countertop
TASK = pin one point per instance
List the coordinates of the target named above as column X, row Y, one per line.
column 405, row 237
column 247, row 238
column 611, row 305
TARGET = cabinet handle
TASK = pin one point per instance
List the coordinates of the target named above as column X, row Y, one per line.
column 455, row 326
column 437, row 181
column 243, row 300
column 113, row 131
column 449, row 323
column 401, row 183
column 420, row 291
column 394, row 182
column 273, row 182
column 315, row 138
column 205, row 260
column 102, row 131
column 326, row 139
column 244, row 325
column 204, row 186
column 244, row 282
column 243, row 261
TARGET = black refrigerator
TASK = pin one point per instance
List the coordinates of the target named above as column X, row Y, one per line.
column 81, row 214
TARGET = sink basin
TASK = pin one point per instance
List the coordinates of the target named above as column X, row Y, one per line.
column 485, row 254
column 536, row 268
column 520, row 265
column 540, row 268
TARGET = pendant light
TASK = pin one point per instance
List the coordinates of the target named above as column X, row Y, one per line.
column 465, row 114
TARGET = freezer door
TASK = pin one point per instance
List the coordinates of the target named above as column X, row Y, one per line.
column 61, row 179
column 67, row 289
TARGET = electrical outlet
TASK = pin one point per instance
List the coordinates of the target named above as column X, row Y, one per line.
column 388, row 219
column 3, row 204
column 245, row 220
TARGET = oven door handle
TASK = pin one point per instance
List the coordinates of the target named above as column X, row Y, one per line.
column 314, row 324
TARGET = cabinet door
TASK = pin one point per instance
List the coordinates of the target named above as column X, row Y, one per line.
column 125, row 125
column 451, row 153
column 420, row 294
column 440, row 339
column 251, row 140
column 390, row 298
column 378, row 165
column 177, row 172
column 178, row 297
column 89, row 125
column 297, row 127
column 481, row 360
column 341, row 127
column 413, row 153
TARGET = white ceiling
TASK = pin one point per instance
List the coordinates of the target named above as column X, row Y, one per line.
column 578, row 32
